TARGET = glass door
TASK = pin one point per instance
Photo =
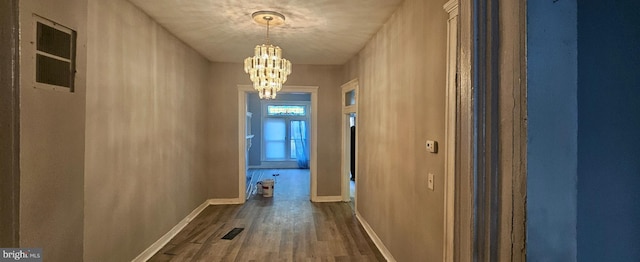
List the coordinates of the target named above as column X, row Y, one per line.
column 285, row 133
column 275, row 137
column 285, row 139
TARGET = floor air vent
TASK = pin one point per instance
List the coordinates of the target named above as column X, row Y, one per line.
column 233, row 233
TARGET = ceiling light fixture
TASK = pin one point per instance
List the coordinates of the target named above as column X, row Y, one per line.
column 267, row 69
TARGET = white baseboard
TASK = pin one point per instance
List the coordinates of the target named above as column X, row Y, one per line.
column 225, row 201
column 155, row 247
column 376, row 240
column 322, row 199
column 278, row 165
column 274, row 166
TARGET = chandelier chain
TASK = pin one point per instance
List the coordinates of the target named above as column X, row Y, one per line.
column 268, row 19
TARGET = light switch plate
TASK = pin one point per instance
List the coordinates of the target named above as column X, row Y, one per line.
column 430, row 181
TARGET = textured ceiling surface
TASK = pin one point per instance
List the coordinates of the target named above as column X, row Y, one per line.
column 320, row 32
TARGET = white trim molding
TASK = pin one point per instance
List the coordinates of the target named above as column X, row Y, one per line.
column 156, row 246
column 352, row 85
column 278, row 164
column 451, row 109
column 376, row 240
column 225, row 201
column 324, row 199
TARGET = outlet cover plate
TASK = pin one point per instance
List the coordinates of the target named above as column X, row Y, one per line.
column 430, row 181
column 432, row 146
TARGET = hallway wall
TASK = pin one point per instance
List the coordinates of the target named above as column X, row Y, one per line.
column 52, row 141
column 223, row 141
column 146, row 132
column 609, row 124
column 401, row 74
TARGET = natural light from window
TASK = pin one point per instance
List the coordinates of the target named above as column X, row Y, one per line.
column 285, row 110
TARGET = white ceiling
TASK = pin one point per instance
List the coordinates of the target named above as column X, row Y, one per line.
column 319, row 32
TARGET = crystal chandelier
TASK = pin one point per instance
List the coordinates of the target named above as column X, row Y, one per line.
column 267, row 69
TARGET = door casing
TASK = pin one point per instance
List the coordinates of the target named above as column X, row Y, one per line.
column 346, row 137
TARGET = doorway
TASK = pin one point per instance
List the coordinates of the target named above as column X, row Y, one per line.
column 245, row 140
column 352, row 157
column 280, row 143
column 349, row 143
column 485, row 208
column 283, row 132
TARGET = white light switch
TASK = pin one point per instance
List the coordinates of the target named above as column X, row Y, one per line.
column 430, row 181
column 432, row 146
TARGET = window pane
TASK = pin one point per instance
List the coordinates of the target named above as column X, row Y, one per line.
column 295, row 125
column 350, row 98
column 298, row 130
column 298, row 133
column 275, row 132
column 275, row 150
column 52, row 71
column 53, row 41
column 280, row 110
column 274, row 129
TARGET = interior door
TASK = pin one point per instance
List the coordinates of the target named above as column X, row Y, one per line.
column 275, row 138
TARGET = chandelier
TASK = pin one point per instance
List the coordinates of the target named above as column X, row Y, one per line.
column 266, row 68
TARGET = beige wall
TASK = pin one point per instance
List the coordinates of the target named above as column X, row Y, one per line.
column 223, row 143
column 52, row 142
column 161, row 133
column 145, row 132
column 401, row 73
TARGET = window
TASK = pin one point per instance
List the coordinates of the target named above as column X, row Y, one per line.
column 285, row 139
column 284, row 131
column 350, row 98
column 55, row 47
column 286, row 110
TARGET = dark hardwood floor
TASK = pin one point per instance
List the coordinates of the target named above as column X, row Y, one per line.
column 286, row 227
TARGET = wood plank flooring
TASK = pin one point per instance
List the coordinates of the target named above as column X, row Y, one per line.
column 287, row 227
column 290, row 183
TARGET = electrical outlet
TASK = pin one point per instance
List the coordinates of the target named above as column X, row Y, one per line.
column 430, row 181
column 432, row 146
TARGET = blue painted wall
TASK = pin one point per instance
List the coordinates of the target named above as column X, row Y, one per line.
column 609, row 130
column 552, row 130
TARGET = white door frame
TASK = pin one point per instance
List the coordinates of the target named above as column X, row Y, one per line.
column 495, row 67
column 451, row 108
column 243, row 90
column 346, row 136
